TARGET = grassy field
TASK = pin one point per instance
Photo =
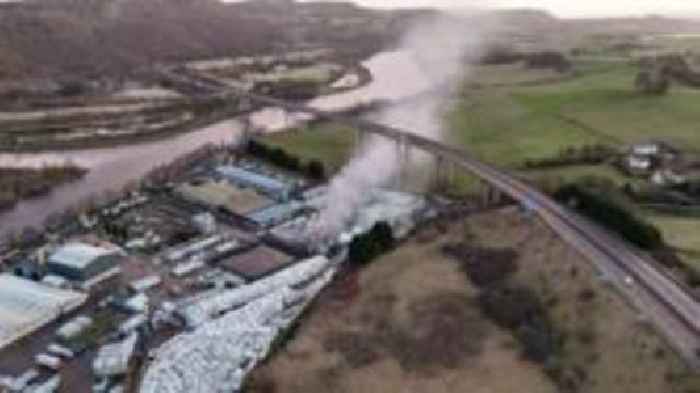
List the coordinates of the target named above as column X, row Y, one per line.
column 682, row 234
column 508, row 124
column 415, row 326
column 330, row 143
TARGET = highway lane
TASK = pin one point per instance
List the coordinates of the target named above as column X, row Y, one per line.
column 661, row 300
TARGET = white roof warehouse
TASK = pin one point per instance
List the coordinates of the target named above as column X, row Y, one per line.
column 26, row 306
column 81, row 262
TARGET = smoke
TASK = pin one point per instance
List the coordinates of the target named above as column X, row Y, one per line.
column 442, row 49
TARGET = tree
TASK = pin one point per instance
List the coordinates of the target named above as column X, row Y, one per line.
column 316, row 170
column 652, row 82
column 595, row 201
column 383, row 235
column 538, row 342
column 549, row 59
column 366, row 247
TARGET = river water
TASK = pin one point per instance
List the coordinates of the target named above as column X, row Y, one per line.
column 395, row 75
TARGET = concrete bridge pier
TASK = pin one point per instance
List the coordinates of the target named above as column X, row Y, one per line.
column 444, row 174
column 361, row 138
column 246, row 132
column 245, row 104
column 491, row 196
column 288, row 121
column 403, row 154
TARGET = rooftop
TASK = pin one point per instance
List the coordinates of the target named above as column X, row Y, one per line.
column 78, row 255
column 265, row 183
column 26, row 305
column 257, row 262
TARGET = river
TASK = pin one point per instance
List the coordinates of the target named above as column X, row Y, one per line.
column 395, row 76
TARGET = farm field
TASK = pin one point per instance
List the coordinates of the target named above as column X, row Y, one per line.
column 512, row 122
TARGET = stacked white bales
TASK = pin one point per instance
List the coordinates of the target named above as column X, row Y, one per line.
column 199, row 312
column 218, row 355
column 113, row 359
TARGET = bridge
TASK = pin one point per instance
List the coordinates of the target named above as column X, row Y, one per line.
column 660, row 299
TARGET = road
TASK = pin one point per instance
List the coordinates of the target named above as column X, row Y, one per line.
column 661, row 300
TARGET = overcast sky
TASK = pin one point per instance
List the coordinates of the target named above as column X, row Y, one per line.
column 564, row 8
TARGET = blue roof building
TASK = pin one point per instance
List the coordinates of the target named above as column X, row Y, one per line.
column 276, row 214
column 266, row 185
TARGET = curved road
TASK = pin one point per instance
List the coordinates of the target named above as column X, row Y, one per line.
column 661, row 300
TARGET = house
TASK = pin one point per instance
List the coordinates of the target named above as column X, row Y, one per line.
column 668, row 176
column 639, row 163
column 646, row 149
column 659, row 150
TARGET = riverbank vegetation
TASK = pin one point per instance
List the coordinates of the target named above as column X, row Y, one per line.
column 281, row 158
column 17, row 184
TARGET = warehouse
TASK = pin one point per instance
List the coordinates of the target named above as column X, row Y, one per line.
column 82, row 262
column 26, row 306
column 276, row 214
column 402, row 211
column 273, row 188
column 256, row 263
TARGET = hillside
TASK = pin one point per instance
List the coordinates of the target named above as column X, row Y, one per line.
column 97, row 37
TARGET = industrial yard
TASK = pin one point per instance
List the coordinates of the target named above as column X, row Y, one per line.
column 261, row 196
column 127, row 291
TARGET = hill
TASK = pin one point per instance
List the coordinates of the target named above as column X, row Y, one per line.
column 45, row 38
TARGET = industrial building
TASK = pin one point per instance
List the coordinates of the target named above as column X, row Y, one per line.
column 273, row 188
column 276, row 214
column 82, row 262
column 402, row 211
column 256, row 263
column 26, row 306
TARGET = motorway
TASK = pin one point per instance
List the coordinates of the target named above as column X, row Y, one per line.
column 659, row 299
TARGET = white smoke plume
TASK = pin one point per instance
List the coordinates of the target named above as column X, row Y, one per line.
column 442, row 48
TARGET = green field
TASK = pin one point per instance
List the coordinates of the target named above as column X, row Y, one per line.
column 680, row 233
column 332, row 144
column 508, row 124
